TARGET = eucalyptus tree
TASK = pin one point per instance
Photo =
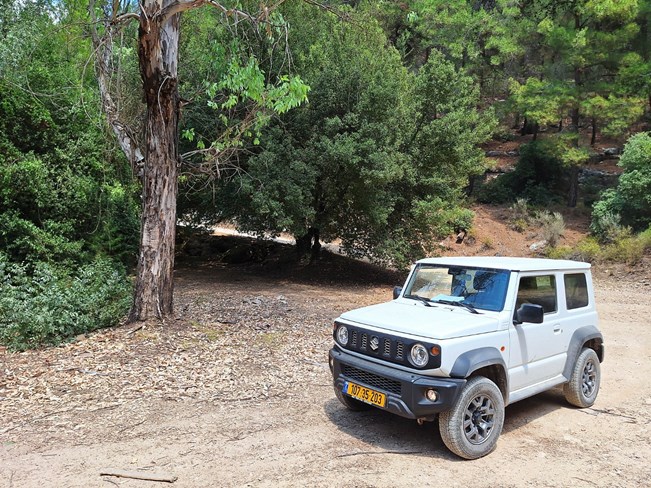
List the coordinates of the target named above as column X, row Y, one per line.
column 153, row 151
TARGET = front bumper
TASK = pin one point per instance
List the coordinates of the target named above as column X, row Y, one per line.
column 405, row 391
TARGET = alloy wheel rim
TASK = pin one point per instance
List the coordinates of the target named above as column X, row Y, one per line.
column 479, row 420
column 589, row 379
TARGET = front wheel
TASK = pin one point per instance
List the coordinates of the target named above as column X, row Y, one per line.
column 581, row 390
column 471, row 427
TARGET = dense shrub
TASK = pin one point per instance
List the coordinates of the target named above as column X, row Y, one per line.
column 48, row 305
column 65, row 199
column 629, row 205
column 536, row 178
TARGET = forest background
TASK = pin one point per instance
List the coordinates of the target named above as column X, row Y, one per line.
column 361, row 122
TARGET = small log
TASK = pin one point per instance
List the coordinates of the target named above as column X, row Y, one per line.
column 138, row 475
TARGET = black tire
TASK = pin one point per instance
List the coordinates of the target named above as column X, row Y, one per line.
column 351, row 403
column 470, row 429
column 583, row 387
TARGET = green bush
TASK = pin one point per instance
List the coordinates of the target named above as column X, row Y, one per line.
column 587, row 250
column 537, row 177
column 50, row 305
column 605, row 224
column 626, row 248
column 561, row 252
column 629, row 204
column 552, row 226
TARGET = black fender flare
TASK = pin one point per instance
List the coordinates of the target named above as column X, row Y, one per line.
column 471, row 361
column 580, row 337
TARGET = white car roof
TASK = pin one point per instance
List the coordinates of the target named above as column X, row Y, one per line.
column 508, row 263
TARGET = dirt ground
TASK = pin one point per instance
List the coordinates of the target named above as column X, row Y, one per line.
column 237, row 392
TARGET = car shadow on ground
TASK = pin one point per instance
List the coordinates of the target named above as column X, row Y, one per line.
column 526, row 411
column 383, row 431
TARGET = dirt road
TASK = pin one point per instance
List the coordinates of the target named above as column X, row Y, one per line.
column 237, row 392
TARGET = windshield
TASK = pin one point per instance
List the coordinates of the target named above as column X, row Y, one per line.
column 480, row 288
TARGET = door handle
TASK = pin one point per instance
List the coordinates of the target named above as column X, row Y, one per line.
column 557, row 329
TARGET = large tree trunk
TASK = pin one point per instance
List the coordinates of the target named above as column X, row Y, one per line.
column 158, row 55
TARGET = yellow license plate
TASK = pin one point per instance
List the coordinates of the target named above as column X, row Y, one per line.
column 365, row 394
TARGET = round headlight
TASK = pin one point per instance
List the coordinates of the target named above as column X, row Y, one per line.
column 419, row 355
column 342, row 335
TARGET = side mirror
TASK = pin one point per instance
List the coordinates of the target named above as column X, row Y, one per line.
column 397, row 290
column 528, row 312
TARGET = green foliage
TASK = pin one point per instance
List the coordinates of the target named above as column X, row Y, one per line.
column 551, row 225
column 539, row 101
column 536, row 177
column 64, row 196
column 378, row 158
column 481, row 37
column 66, row 200
column 606, row 225
column 429, row 223
column 630, row 203
column 625, row 248
column 48, row 305
column 235, row 88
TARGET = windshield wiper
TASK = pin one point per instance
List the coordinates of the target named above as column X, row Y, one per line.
column 470, row 308
column 426, row 301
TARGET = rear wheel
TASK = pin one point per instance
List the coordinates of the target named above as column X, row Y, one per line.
column 470, row 429
column 351, row 403
column 581, row 390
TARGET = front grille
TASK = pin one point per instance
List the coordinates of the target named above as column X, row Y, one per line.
column 372, row 379
column 400, row 349
column 385, row 346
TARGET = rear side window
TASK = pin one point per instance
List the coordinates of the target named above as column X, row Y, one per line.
column 576, row 291
column 539, row 290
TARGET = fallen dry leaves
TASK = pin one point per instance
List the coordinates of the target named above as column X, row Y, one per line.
column 221, row 348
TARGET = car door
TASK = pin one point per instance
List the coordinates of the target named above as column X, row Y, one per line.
column 538, row 351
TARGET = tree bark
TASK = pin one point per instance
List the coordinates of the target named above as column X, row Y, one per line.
column 158, row 38
column 103, row 47
column 573, row 193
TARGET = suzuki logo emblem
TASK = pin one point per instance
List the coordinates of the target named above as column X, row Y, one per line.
column 375, row 343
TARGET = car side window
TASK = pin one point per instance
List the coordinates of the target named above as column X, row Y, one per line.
column 539, row 290
column 576, row 291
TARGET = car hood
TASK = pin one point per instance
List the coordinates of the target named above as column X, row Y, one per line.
column 436, row 322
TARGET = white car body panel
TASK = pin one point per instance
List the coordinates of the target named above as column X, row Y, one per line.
column 534, row 355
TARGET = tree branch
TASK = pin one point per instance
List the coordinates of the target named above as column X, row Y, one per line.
column 102, row 50
column 183, row 5
column 125, row 17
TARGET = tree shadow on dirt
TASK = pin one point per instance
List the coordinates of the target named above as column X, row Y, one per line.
column 237, row 258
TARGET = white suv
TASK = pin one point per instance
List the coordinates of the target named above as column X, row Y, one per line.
column 467, row 336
